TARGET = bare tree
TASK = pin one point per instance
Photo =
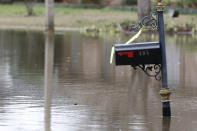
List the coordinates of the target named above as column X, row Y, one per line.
column 29, row 6
column 144, row 8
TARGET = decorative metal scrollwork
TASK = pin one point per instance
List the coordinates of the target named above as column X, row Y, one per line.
column 151, row 70
column 147, row 21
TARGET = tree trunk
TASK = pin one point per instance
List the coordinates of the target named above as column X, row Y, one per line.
column 49, row 14
column 144, row 8
column 29, row 6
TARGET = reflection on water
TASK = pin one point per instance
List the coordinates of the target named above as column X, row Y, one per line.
column 65, row 82
column 166, row 124
column 48, row 77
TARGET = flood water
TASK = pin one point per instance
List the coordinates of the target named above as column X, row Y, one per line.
column 64, row 82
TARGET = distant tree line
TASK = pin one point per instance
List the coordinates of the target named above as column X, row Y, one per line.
column 172, row 3
column 105, row 2
column 100, row 2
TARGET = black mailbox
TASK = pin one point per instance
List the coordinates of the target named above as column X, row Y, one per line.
column 137, row 53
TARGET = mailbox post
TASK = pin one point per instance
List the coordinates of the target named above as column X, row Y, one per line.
column 149, row 56
column 164, row 92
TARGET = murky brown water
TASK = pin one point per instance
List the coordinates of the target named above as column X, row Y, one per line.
column 78, row 90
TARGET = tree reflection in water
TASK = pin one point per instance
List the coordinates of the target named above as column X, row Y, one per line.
column 48, row 78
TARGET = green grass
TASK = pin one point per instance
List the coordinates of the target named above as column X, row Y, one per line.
column 20, row 10
column 12, row 10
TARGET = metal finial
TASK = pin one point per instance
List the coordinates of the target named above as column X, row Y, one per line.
column 160, row 6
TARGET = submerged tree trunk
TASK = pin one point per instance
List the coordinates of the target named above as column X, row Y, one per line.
column 29, row 6
column 144, row 8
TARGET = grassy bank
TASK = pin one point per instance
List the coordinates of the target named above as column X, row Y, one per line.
column 64, row 17
column 98, row 19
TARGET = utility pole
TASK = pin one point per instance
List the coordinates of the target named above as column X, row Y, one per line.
column 49, row 14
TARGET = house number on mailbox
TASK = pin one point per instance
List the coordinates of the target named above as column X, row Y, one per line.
column 144, row 53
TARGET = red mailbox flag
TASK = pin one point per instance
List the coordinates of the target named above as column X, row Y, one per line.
column 129, row 54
